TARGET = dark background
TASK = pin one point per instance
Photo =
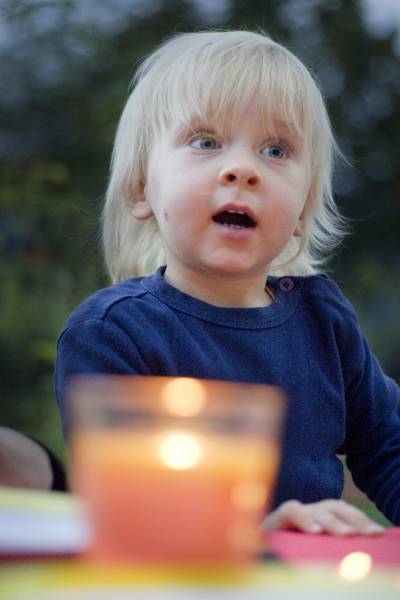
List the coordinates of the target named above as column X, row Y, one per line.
column 65, row 69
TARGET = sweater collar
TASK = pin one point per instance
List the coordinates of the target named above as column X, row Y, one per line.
column 287, row 291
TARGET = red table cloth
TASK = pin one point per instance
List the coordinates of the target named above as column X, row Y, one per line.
column 295, row 547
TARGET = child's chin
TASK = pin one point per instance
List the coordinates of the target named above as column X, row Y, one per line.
column 233, row 269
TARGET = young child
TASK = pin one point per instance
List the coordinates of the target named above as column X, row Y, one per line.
column 219, row 209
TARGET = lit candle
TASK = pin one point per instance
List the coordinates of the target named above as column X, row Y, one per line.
column 176, row 488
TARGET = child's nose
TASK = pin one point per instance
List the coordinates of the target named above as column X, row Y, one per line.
column 240, row 175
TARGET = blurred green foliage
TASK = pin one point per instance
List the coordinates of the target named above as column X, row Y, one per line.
column 373, row 513
column 65, row 73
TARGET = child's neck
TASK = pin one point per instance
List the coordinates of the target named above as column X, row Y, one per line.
column 228, row 292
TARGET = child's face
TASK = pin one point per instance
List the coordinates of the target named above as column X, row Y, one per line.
column 226, row 202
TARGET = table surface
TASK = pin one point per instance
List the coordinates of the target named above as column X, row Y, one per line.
column 308, row 567
column 297, row 548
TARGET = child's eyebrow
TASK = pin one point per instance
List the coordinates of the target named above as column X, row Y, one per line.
column 282, row 127
column 289, row 133
column 182, row 130
column 195, row 124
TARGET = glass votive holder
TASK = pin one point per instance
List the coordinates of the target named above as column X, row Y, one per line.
column 174, row 469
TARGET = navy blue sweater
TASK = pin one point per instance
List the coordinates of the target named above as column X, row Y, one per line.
column 308, row 342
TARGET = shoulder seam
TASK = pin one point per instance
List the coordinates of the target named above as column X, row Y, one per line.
column 120, row 299
column 77, row 324
column 105, row 323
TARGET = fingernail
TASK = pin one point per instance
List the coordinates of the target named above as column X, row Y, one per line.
column 345, row 529
column 375, row 528
column 314, row 528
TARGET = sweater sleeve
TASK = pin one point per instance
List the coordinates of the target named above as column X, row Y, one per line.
column 59, row 478
column 94, row 346
column 373, row 429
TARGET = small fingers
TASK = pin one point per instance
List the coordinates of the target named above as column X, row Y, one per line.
column 292, row 515
column 340, row 518
column 329, row 516
column 331, row 523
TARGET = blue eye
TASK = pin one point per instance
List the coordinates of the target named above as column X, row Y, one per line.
column 205, row 141
column 277, row 151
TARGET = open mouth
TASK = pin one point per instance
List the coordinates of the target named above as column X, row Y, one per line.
column 235, row 219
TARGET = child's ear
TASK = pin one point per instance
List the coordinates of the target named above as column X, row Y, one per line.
column 140, row 208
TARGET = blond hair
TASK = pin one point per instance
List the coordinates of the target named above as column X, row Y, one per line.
column 217, row 73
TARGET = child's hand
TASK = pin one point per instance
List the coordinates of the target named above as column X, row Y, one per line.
column 329, row 516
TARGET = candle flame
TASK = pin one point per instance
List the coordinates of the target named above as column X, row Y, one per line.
column 180, row 451
column 184, row 396
column 355, row 566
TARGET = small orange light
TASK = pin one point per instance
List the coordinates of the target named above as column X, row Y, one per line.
column 184, row 397
column 180, row 451
column 355, row 566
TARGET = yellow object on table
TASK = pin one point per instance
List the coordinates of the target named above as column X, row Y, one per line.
column 76, row 581
column 38, row 523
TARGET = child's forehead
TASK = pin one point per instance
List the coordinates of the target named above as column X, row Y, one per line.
column 221, row 101
column 268, row 117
